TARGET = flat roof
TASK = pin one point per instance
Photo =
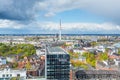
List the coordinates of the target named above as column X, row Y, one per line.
column 97, row 72
column 56, row 50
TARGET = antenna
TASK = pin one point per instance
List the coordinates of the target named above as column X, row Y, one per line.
column 60, row 31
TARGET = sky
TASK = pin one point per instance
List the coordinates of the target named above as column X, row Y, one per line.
column 43, row 16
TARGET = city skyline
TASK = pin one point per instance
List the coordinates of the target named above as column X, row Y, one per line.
column 43, row 16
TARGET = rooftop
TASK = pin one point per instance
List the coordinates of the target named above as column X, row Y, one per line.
column 98, row 72
column 117, row 45
column 56, row 50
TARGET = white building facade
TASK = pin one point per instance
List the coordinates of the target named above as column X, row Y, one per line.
column 8, row 73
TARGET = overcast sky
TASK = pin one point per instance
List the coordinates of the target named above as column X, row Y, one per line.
column 43, row 16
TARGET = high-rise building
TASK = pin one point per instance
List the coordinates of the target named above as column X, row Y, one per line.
column 57, row 64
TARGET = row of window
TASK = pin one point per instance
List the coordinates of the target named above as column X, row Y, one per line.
column 7, row 75
column 58, row 63
column 59, row 72
column 58, row 66
column 58, row 77
column 57, row 69
column 58, row 59
column 58, row 56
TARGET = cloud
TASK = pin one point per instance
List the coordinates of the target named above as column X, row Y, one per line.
column 56, row 6
column 29, row 9
column 18, row 9
column 85, row 28
column 10, row 24
column 52, row 27
column 12, row 12
column 109, row 9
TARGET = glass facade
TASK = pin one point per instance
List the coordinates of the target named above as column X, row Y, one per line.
column 58, row 66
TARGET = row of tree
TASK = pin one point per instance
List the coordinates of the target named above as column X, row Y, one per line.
column 25, row 49
column 91, row 58
column 78, row 64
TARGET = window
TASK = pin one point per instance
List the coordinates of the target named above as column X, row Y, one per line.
column 7, row 75
column 31, row 73
column 10, row 75
column 18, row 75
column 3, row 75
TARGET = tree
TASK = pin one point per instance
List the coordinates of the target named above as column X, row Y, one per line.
column 78, row 64
column 27, row 49
column 103, row 56
column 14, row 65
column 28, row 65
column 93, row 43
column 90, row 58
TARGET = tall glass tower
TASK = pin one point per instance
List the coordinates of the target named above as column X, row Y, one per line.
column 57, row 64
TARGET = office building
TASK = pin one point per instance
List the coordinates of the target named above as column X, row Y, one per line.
column 58, row 64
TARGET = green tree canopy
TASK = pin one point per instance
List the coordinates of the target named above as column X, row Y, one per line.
column 26, row 49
